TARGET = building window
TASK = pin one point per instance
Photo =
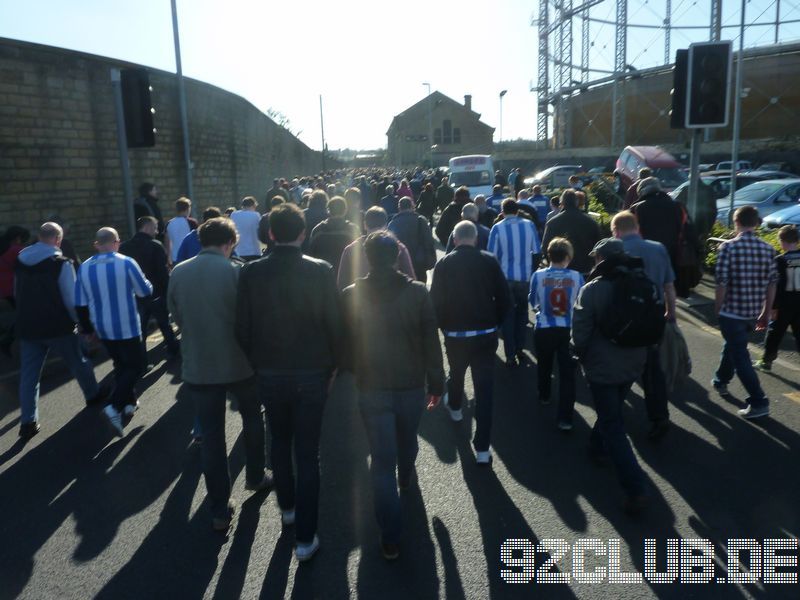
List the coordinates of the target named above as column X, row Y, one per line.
column 437, row 136
column 447, row 128
column 456, row 135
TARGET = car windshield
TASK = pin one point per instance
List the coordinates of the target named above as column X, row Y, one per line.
column 756, row 192
column 670, row 177
column 470, row 178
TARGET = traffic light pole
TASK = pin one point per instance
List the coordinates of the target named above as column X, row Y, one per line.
column 694, row 173
column 122, row 144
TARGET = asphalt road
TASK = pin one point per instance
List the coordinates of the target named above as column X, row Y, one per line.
column 85, row 515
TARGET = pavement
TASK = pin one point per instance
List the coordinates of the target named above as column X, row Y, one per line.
column 86, row 515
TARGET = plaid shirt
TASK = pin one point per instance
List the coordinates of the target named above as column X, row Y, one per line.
column 745, row 266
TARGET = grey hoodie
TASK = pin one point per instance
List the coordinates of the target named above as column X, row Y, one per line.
column 33, row 255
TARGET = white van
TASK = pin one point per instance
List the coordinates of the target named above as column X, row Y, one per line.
column 476, row 171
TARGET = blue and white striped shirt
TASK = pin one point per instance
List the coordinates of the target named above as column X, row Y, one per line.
column 108, row 284
column 513, row 240
column 553, row 294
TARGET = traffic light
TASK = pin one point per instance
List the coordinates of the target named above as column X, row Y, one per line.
column 138, row 108
column 708, row 84
column 677, row 114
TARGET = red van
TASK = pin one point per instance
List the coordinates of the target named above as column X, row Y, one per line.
column 664, row 166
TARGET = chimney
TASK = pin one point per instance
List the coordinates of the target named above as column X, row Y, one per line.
column 468, row 101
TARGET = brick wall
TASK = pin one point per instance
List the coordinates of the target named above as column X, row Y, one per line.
column 58, row 146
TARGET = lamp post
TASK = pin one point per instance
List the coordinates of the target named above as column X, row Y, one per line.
column 503, row 93
column 430, row 121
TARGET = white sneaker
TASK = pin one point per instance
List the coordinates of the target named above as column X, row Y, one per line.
column 455, row 415
column 130, row 409
column 287, row 518
column 114, row 419
column 483, row 458
column 305, row 552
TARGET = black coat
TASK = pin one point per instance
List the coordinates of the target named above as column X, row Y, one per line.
column 152, row 260
column 661, row 220
column 449, row 218
column 580, row 229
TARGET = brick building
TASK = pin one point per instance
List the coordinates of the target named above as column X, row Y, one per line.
column 456, row 129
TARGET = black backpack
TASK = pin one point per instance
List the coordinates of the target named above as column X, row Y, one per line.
column 635, row 317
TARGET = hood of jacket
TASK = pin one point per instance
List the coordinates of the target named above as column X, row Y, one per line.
column 383, row 285
column 33, row 255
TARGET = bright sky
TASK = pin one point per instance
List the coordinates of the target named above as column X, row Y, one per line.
column 366, row 59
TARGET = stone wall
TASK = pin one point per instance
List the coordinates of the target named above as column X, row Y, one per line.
column 58, row 145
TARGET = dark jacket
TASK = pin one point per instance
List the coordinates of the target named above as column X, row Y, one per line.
column 483, row 239
column 287, row 312
column 152, row 260
column 41, row 309
column 426, row 205
column 147, row 206
column 469, row 290
column 389, row 204
column 314, row 216
column 448, row 220
column 660, row 219
column 392, row 342
column 580, row 229
column 415, row 232
column 330, row 238
column 487, row 217
column 444, row 195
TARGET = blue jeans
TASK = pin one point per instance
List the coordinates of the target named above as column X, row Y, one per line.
column 735, row 357
column 477, row 353
column 391, row 419
column 516, row 319
column 211, row 406
column 295, row 403
column 608, row 435
column 33, row 354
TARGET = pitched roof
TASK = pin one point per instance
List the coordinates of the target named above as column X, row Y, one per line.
column 421, row 109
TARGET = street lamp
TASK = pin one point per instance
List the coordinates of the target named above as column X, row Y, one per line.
column 430, row 120
column 503, row 93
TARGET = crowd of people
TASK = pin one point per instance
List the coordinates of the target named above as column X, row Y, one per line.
column 331, row 277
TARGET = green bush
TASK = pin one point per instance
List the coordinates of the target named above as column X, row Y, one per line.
column 718, row 230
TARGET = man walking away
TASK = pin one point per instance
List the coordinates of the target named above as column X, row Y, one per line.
column 747, row 279
column 214, row 363
column 787, row 298
column 45, row 292
column 179, row 227
column 334, row 234
column 246, row 220
column 288, row 322
column 579, row 228
column 354, row 259
column 151, row 257
column 444, row 194
column 105, row 298
column 486, row 215
column 451, row 214
column 658, row 268
column 610, row 370
column 389, row 202
column 471, row 298
column 660, row 218
column 495, row 201
column 553, row 293
column 515, row 243
column 415, row 232
column 392, row 358
column 190, row 246
column 470, row 212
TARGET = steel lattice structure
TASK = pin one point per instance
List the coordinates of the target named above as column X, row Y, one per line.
column 559, row 76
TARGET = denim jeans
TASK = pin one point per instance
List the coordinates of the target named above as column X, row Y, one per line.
column 516, row 319
column 129, row 364
column 156, row 307
column 391, row 419
column 295, row 403
column 210, row 404
column 736, row 358
column 552, row 343
column 33, row 354
column 654, row 385
column 608, row 435
column 477, row 353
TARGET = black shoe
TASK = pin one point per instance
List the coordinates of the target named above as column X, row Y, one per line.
column 28, row 430
column 390, row 551
column 635, row 504
column 512, row 363
column 658, row 430
column 521, row 357
column 405, row 484
column 544, row 399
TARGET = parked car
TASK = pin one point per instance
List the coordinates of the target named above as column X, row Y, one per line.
column 767, row 196
column 662, row 163
column 721, row 184
column 785, row 216
column 554, row 177
column 742, row 165
column 776, row 166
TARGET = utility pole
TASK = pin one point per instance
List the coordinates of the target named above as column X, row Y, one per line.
column 322, row 129
column 737, row 113
column 503, row 93
column 187, row 156
column 430, row 121
column 122, row 145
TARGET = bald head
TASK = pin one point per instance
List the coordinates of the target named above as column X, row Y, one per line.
column 50, row 233
column 470, row 212
column 106, row 239
column 465, row 234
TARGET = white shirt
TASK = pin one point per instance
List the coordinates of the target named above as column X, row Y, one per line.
column 177, row 229
column 246, row 222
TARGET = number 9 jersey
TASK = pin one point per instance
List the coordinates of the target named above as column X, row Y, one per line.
column 553, row 294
